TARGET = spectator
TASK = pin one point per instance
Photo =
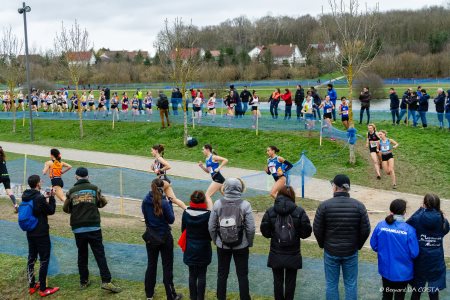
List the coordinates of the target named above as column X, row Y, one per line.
column 333, row 97
column 429, row 267
column 274, row 101
column 163, row 105
column 447, row 109
column 245, row 97
column 287, row 97
column 423, row 108
column 39, row 207
column 439, row 101
column 175, row 99
column 237, row 102
column 140, row 98
column 299, row 98
column 285, row 255
column 197, row 253
column 107, row 97
column 395, row 103
column 158, row 214
column 82, row 203
column 413, row 105
column 404, row 104
column 397, row 247
column 232, row 241
column 341, row 227
column 316, row 103
column 365, row 98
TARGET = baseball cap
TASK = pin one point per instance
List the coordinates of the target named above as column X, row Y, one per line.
column 341, row 181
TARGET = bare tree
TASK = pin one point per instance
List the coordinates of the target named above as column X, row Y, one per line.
column 354, row 31
column 179, row 58
column 73, row 44
column 11, row 67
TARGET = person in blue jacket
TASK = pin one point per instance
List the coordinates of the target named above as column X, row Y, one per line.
column 431, row 226
column 333, row 97
column 423, row 108
column 396, row 245
column 447, row 109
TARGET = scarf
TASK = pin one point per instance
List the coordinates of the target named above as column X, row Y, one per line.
column 198, row 205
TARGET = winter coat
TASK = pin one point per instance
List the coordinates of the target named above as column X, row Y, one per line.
column 299, row 96
column 423, row 102
column 440, row 103
column 161, row 224
column 198, row 241
column 41, row 209
column 394, row 101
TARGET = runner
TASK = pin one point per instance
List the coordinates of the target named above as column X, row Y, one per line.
column 83, row 102
column 59, row 103
column 4, row 178
column 277, row 167
column 385, row 146
column 55, row 168
column 20, row 104
column 372, row 143
column 135, row 106
column 213, row 165
column 197, row 107
column 308, row 113
column 343, row 111
column 160, row 167
column 115, row 106
column 42, row 96
column 74, row 102
column 34, row 101
column 211, row 105
column 48, row 102
column 254, row 102
column 328, row 108
column 148, row 105
column 91, row 101
column 125, row 105
column 101, row 104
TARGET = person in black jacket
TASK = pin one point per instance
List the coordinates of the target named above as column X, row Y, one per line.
column 395, row 103
column 245, row 97
column 413, row 105
column 299, row 98
column 423, row 107
column 198, row 252
column 440, row 106
column 317, row 101
column 365, row 98
column 404, row 104
column 285, row 256
column 447, row 109
column 341, row 227
column 39, row 238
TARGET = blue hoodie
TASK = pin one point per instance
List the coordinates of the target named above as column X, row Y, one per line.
column 333, row 96
column 159, row 223
column 397, row 246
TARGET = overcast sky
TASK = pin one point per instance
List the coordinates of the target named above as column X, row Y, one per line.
column 133, row 24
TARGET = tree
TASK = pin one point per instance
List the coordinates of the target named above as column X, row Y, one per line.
column 356, row 36
column 437, row 41
column 267, row 60
column 179, row 57
column 73, row 43
column 139, row 58
column 11, row 67
column 208, row 56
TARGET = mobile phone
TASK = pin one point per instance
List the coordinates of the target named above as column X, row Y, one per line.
column 48, row 190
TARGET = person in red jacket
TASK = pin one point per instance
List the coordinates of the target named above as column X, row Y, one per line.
column 287, row 98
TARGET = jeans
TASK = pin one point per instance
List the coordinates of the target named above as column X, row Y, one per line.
column 175, row 106
column 423, row 118
column 244, row 110
column 274, row 109
column 238, row 110
column 162, row 113
column 361, row 114
column 412, row 116
column 140, row 107
column 38, row 246
column 197, row 282
column 299, row 111
column 240, row 257
column 284, row 282
column 441, row 119
column 287, row 112
column 166, row 251
column 394, row 113
column 316, row 112
column 95, row 240
column 107, row 104
column 402, row 113
column 447, row 116
column 394, row 289
column 349, row 266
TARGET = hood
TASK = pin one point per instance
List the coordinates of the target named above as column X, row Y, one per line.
column 431, row 219
column 233, row 189
column 197, row 216
column 284, row 206
column 30, row 194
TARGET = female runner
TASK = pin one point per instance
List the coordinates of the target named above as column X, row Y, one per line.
column 115, row 106
column 343, row 111
column 213, row 165
column 55, row 168
column 20, row 104
column 91, row 101
column 101, row 104
column 135, row 106
column 211, row 105
column 4, row 178
column 125, row 105
column 328, row 108
column 148, row 105
column 385, row 146
column 254, row 102
column 372, row 143
column 277, row 167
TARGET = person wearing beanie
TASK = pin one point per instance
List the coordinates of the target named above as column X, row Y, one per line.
column 82, row 203
column 232, row 230
column 341, row 227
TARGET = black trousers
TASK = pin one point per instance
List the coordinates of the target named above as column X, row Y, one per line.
column 95, row 240
column 38, row 246
column 394, row 289
column 153, row 252
column 361, row 114
column 197, row 282
column 284, row 282
column 240, row 257
column 415, row 295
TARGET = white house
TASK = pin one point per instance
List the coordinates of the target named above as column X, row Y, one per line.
column 328, row 50
column 282, row 54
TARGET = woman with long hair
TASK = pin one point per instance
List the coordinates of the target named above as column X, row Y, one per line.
column 20, row 98
column 148, row 101
column 125, row 105
column 213, row 165
column 274, row 101
column 115, row 106
column 328, row 108
column 387, row 158
column 158, row 214
column 372, row 142
column 197, row 107
column 101, row 104
column 277, row 166
column 91, row 101
column 160, row 167
column 4, row 178
column 429, row 267
column 135, row 106
column 55, row 168
column 211, row 106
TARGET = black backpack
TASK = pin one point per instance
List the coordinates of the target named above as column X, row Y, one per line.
column 230, row 223
column 163, row 102
column 285, row 233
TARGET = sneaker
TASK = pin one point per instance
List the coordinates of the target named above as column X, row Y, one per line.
column 109, row 286
column 379, row 177
column 48, row 291
column 85, row 285
column 34, row 289
column 333, row 139
column 394, row 186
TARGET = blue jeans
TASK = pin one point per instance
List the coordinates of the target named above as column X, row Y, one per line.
column 447, row 116
column 333, row 266
column 175, row 106
column 107, row 104
column 394, row 113
column 238, row 110
column 244, row 110
column 402, row 113
column 287, row 112
column 423, row 118
column 441, row 119
column 316, row 112
column 299, row 111
column 361, row 114
column 333, row 112
column 274, row 109
column 412, row 116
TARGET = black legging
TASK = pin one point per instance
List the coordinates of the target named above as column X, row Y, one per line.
column 197, row 282
column 432, row 295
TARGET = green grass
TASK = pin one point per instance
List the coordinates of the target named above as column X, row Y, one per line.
column 421, row 159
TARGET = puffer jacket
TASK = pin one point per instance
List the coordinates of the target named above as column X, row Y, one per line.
column 289, row 257
column 341, row 225
column 423, row 102
column 198, row 241
column 440, row 103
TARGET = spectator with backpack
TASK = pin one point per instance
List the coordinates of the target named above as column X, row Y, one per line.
column 163, row 106
column 33, row 218
column 232, row 229
column 285, row 224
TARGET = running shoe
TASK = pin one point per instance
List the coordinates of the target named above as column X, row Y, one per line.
column 333, row 139
column 85, row 285
column 34, row 289
column 379, row 177
column 48, row 291
column 109, row 286
column 394, row 186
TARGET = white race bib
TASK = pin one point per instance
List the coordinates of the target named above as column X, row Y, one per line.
column 373, row 144
column 329, row 110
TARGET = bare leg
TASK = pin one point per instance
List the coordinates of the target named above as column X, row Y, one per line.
column 376, row 162
column 391, row 169
column 59, row 193
column 169, row 192
column 213, row 188
column 277, row 186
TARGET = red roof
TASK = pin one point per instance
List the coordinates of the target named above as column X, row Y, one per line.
column 279, row 50
column 185, row 53
column 215, row 53
column 79, row 56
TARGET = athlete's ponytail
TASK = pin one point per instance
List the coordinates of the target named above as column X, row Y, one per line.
column 159, row 148
column 56, row 154
column 397, row 207
column 274, row 148
column 157, row 194
column 210, row 148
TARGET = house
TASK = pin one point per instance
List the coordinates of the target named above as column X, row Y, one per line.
column 109, row 56
column 215, row 54
column 187, row 53
column 325, row 50
column 282, row 54
column 81, row 58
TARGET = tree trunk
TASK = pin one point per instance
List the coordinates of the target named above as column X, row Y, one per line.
column 352, row 156
column 185, row 115
column 80, row 111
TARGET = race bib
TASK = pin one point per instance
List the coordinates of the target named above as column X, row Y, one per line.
column 345, row 112
column 272, row 168
column 385, row 148
column 373, row 144
column 329, row 110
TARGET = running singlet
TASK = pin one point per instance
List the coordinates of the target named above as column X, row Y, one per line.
column 344, row 109
column 274, row 165
column 211, row 102
column 211, row 165
column 157, row 166
column 328, row 108
column 3, row 169
column 56, row 169
column 385, row 147
column 373, row 138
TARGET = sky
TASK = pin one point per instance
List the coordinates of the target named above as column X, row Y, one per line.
column 134, row 24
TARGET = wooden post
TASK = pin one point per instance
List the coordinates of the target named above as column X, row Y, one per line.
column 121, row 191
column 114, row 114
column 24, row 172
column 321, row 129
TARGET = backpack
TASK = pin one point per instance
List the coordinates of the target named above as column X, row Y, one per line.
column 192, row 142
column 27, row 221
column 163, row 102
column 284, row 231
column 231, row 227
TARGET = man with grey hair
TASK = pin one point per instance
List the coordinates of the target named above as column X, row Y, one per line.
column 163, row 105
column 341, row 227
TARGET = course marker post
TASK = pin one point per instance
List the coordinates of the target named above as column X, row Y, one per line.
column 113, row 119
column 257, row 123
column 407, row 114
column 121, row 191
column 303, row 175
column 321, row 130
column 24, row 172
